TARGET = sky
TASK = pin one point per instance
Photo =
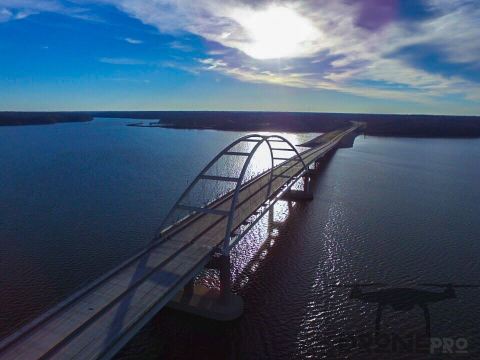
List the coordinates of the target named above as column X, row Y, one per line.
column 367, row 56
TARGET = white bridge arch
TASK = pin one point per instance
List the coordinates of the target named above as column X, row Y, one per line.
column 276, row 152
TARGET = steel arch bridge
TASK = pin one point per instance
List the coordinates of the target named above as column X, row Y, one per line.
column 278, row 146
column 99, row 319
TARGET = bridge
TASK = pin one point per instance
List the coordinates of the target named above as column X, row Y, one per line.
column 98, row 320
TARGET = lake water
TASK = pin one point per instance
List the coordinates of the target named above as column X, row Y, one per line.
column 76, row 199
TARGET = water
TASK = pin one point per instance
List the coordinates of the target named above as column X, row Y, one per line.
column 76, row 199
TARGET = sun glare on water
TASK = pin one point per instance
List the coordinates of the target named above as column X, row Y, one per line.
column 277, row 32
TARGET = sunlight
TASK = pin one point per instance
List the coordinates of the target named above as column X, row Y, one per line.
column 277, row 32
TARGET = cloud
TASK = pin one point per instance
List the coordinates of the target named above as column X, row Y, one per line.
column 21, row 9
column 121, row 61
column 32, row 5
column 178, row 45
column 457, row 31
column 5, row 15
column 11, row 13
column 178, row 66
column 337, row 45
column 342, row 45
column 212, row 64
column 133, row 41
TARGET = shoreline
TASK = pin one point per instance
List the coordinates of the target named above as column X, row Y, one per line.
column 416, row 126
column 13, row 118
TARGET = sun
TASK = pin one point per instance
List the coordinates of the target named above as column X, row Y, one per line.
column 277, row 32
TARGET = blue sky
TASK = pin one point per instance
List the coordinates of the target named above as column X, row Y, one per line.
column 379, row 56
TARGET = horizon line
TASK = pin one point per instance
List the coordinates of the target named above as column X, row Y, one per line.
column 239, row 111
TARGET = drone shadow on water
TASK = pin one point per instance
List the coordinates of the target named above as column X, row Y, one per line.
column 403, row 299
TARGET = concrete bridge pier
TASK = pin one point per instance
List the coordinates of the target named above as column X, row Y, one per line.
column 223, row 267
column 300, row 195
column 275, row 225
column 317, row 165
column 306, row 183
column 216, row 304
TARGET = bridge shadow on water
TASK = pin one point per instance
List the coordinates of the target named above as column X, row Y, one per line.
column 265, row 279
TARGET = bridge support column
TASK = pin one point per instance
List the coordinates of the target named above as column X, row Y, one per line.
column 188, row 290
column 217, row 304
column 225, row 279
column 297, row 195
column 318, row 165
column 306, row 184
column 300, row 195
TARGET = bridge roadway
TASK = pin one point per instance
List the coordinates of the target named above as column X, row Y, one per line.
column 97, row 321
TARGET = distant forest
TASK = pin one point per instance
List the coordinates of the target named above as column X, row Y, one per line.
column 377, row 124
column 11, row 118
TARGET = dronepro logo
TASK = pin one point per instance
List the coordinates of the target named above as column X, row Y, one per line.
column 411, row 343
column 448, row 345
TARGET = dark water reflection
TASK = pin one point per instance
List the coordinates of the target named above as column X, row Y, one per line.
column 398, row 211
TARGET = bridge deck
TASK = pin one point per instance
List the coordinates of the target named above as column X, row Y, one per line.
column 98, row 320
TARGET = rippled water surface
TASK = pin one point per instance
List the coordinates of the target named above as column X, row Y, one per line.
column 76, row 199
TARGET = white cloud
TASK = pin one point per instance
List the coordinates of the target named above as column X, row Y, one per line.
column 457, row 32
column 178, row 66
column 23, row 14
column 212, row 64
column 20, row 9
column 275, row 32
column 5, row 15
column 317, row 43
column 325, row 28
column 133, row 41
column 178, row 45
